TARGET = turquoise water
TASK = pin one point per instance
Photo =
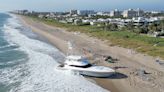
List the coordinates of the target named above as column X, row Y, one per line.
column 28, row 63
column 10, row 56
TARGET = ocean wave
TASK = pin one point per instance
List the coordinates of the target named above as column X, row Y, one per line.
column 12, row 62
column 39, row 73
column 7, row 50
column 9, row 45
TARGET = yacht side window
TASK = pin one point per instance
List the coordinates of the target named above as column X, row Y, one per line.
column 79, row 60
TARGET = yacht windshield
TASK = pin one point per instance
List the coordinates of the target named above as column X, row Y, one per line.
column 86, row 66
column 82, row 59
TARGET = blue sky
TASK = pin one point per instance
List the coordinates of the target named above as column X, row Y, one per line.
column 64, row 5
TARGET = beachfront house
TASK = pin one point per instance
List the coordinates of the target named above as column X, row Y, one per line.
column 139, row 21
column 70, row 20
column 40, row 16
column 86, row 21
column 153, row 20
column 93, row 22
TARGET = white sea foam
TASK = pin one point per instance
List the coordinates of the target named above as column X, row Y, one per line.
column 6, row 46
column 13, row 61
column 8, row 50
column 39, row 74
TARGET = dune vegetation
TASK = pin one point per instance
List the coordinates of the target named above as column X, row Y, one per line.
column 143, row 43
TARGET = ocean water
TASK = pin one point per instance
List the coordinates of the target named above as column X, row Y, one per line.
column 28, row 63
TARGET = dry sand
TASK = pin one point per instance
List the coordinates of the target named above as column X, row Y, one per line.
column 130, row 76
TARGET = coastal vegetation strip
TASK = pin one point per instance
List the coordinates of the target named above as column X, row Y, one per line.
column 124, row 37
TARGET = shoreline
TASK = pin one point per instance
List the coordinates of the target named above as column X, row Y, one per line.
column 58, row 38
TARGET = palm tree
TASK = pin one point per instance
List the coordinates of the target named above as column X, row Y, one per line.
column 152, row 28
column 130, row 26
column 162, row 24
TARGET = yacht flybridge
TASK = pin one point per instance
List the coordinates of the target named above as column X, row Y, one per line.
column 82, row 66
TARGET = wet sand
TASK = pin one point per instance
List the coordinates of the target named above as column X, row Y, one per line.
column 127, row 78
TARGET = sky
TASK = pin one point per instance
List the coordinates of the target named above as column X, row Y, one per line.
column 65, row 5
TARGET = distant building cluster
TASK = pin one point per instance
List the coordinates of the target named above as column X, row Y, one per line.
column 24, row 12
column 133, row 13
column 121, row 18
column 86, row 12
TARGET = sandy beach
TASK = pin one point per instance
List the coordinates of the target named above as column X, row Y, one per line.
column 135, row 72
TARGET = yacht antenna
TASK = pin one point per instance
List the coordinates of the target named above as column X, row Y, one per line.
column 70, row 48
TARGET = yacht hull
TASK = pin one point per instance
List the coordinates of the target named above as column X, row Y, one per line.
column 96, row 74
column 89, row 72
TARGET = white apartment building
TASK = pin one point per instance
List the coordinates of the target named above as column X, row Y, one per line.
column 139, row 12
column 73, row 12
column 85, row 12
column 129, row 13
column 115, row 13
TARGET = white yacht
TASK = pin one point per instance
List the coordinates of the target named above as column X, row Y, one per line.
column 82, row 66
